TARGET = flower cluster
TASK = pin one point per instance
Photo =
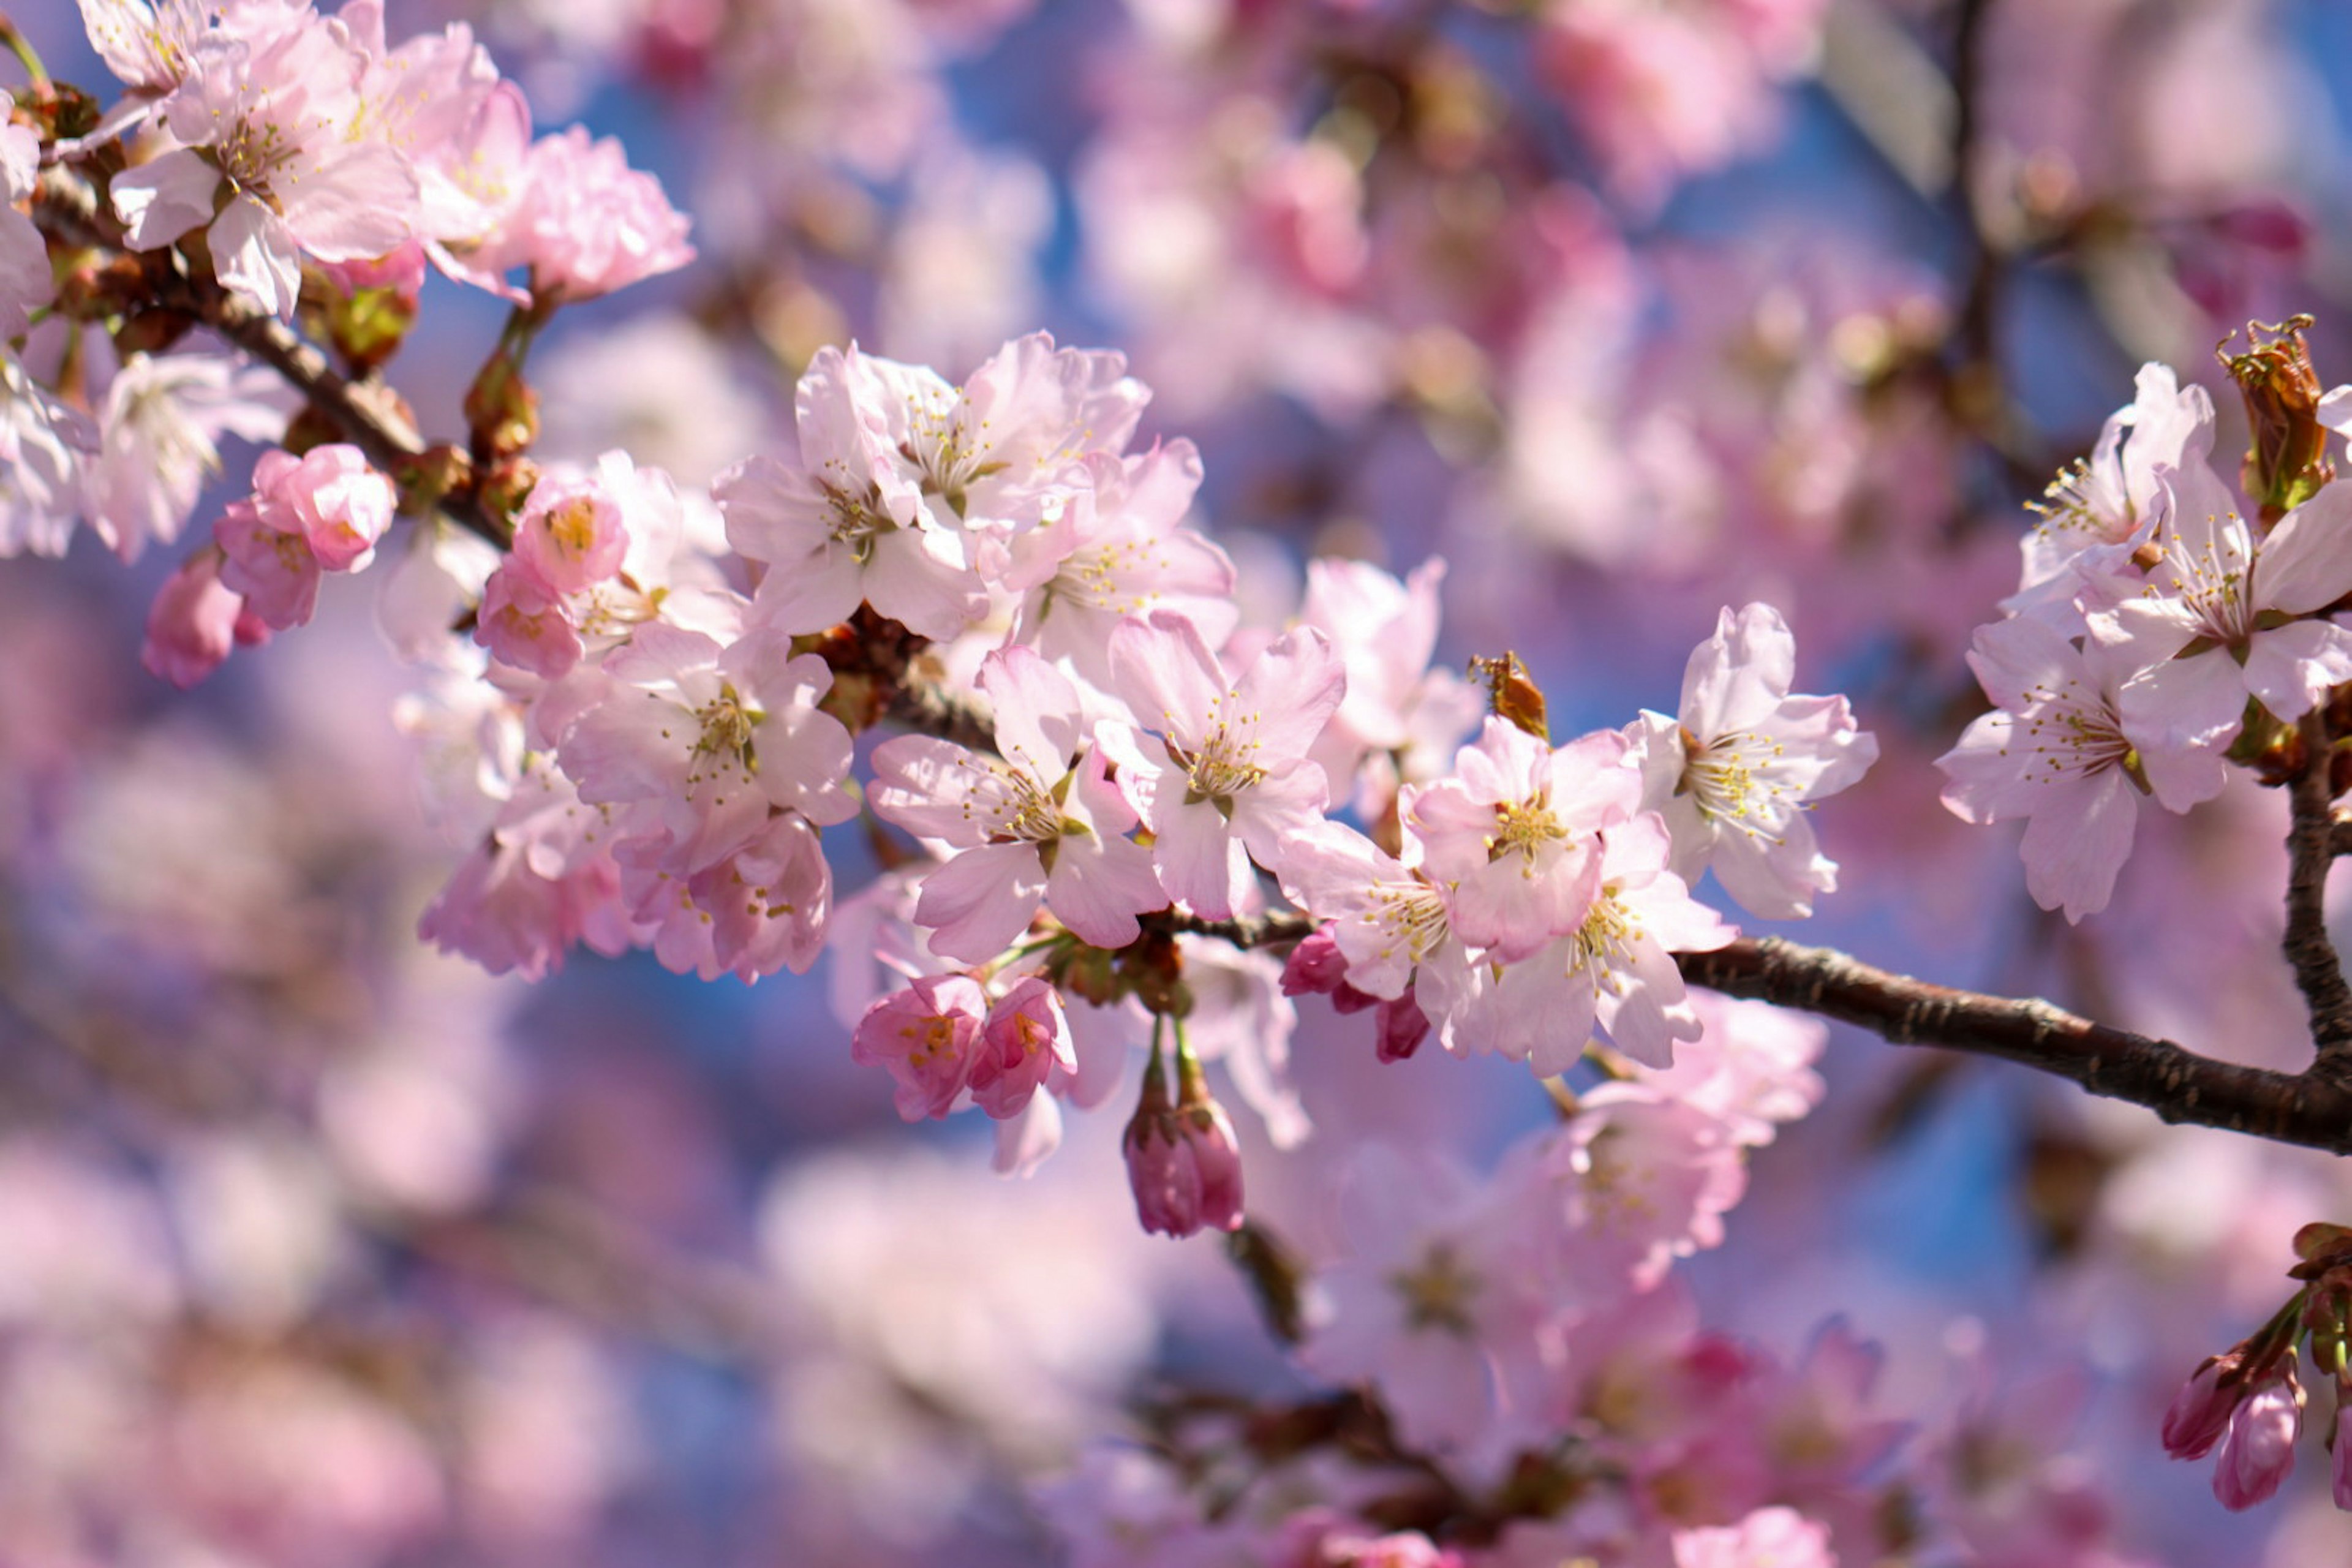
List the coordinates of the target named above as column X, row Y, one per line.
column 1540, row 892
column 2163, row 628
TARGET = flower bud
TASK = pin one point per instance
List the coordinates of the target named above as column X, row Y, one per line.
column 2201, row 1409
column 192, row 623
column 2259, row 1452
column 2288, row 461
column 1183, row 1162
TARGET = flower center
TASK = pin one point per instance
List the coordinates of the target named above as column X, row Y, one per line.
column 1438, row 1294
column 1523, row 828
column 728, row 723
column 1724, row 781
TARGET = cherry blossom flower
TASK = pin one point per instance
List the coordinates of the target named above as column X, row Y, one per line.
column 714, row 737
column 1227, row 776
column 25, row 281
column 2258, row 1452
column 927, row 1036
column 1399, row 717
column 584, row 223
column 828, row 537
column 2219, row 620
column 1733, row 777
column 192, row 623
column 1041, row 821
column 1026, row 1039
column 1514, row 833
column 570, row 534
column 996, row 454
column 525, row 622
column 1616, row 970
column 1116, row 548
column 274, row 119
column 160, row 440
column 274, row 568
column 1441, row 1300
column 45, row 448
column 2055, row 752
column 2095, row 514
column 1183, row 1164
column 1768, row 1538
column 330, row 496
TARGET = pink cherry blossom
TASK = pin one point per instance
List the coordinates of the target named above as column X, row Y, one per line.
column 1026, row 1039
column 1768, row 1538
column 1733, row 776
column 161, row 427
column 525, row 622
column 1040, row 822
column 570, row 534
column 1615, row 971
column 275, row 119
column 2057, row 753
column 2095, row 514
column 1117, row 548
column 1401, row 720
column 274, row 568
column 2201, row 1412
column 584, row 223
column 331, row 497
column 1228, row 776
column 1514, row 833
column 927, row 1036
column 47, row 446
column 997, row 453
column 714, row 737
column 1185, row 1169
column 25, row 281
column 829, row 539
column 2223, row 615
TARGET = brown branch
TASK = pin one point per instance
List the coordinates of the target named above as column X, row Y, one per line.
column 364, row 414
column 2311, row 849
column 2178, row 1085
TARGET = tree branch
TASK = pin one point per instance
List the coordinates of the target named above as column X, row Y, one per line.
column 2178, row 1085
column 65, row 205
column 2311, row 849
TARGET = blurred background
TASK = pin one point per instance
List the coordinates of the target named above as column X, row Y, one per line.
column 318, row 1248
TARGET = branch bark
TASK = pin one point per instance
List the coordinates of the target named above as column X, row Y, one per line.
column 2310, row 952
column 2177, row 1084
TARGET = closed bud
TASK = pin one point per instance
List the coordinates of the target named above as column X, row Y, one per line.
column 2288, row 461
column 2201, row 1411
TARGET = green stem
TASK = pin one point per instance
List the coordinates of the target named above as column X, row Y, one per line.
column 26, row 55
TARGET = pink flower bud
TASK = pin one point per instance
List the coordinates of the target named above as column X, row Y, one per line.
column 192, row 623
column 2259, row 1451
column 1316, row 966
column 927, row 1037
column 1184, row 1167
column 1403, row 1025
column 2201, row 1409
